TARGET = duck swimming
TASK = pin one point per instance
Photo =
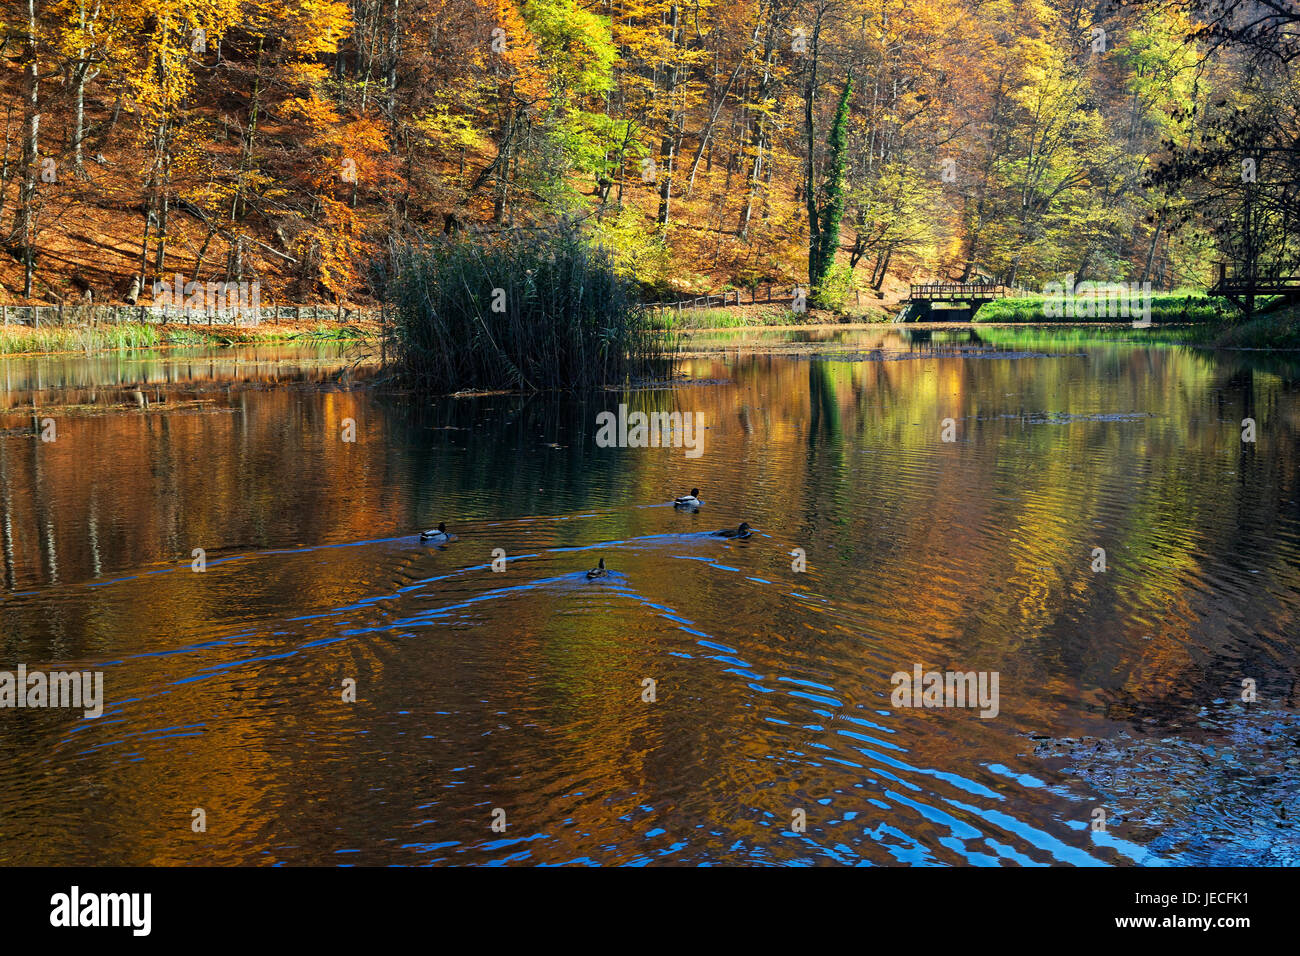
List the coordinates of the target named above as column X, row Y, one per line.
column 744, row 531
column 437, row 537
column 689, row 501
column 598, row 571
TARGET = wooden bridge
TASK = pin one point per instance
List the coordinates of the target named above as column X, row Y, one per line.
column 971, row 292
column 1241, row 290
column 922, row 298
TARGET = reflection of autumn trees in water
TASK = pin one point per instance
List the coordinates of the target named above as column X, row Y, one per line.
column 983, row 543
column 971, row 555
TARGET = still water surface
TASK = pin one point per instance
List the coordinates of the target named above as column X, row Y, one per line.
column 523, row 689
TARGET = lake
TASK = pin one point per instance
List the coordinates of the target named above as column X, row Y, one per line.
column 290, row 676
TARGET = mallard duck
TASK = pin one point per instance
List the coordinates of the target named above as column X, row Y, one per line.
column 598, row 571
column 742, row 532
column 689, row 501
column 438, row 536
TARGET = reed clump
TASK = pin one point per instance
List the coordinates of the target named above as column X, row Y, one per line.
column 533, row 310
column 20, row 340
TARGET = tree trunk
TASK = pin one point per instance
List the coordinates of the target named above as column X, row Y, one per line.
column 82, row 77
column 392, row 68
column 672, row 132
column 1151, row 249
column 31, row 152
column 810, row 194
column 882, row 268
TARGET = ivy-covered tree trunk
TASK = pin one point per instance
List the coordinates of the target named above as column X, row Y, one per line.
column 832, row 210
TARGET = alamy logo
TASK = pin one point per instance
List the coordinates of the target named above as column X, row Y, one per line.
column 947, row 689
column 1098, row 300
column 238, row 300
column 102, row 909
column 84, row 689
column 653, row 430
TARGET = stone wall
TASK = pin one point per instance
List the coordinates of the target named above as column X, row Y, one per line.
column 84, row 315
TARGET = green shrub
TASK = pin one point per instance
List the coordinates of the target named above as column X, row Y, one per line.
column 638, row 250
column 833, row 291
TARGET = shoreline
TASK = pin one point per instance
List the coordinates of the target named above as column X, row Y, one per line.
column 24, row 341
column 1275, row 332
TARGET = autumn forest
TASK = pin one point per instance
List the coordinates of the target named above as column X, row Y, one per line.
column 846, row 143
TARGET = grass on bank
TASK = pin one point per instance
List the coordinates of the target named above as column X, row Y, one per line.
column 1048, row 338
column 754, row 316
column 535, row 310
column 670, row 320
column 1276, row 330
column 1189, row 307
column 21, row 340
column 1279, row 329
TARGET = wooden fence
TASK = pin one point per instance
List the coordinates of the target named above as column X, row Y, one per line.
column 724, row 300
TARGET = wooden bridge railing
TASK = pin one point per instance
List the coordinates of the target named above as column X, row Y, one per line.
column 1267, row 280
column 961, row 290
